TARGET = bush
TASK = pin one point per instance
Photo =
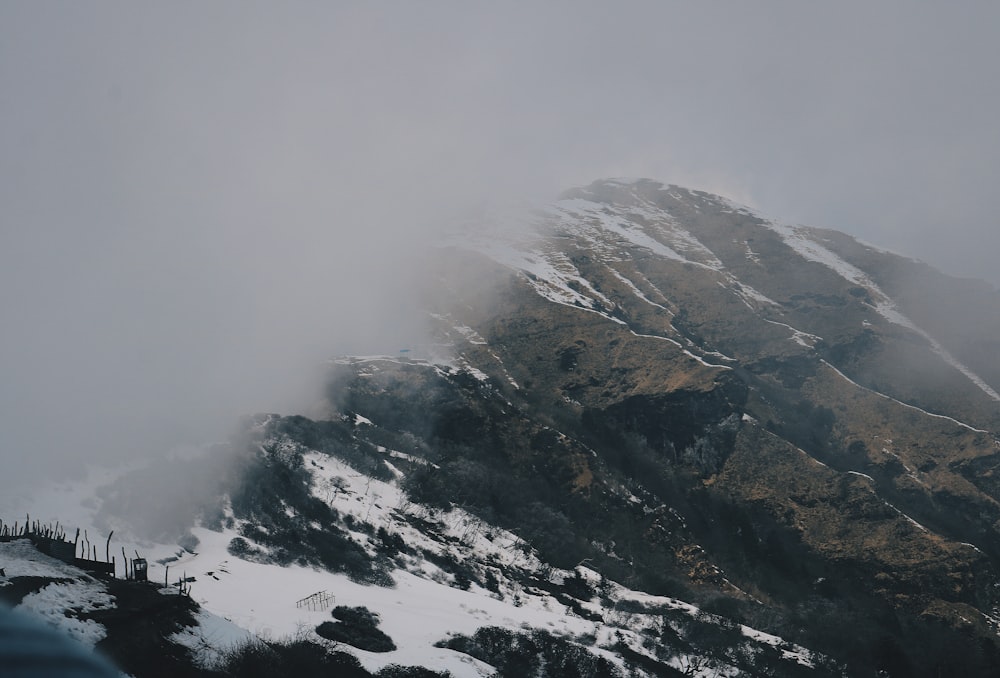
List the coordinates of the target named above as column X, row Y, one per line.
column 241, row 548
column 258, row 658
column 578, row 587
column 357, row 616
column 358, row 627
column 397, row 671
column 531, row 654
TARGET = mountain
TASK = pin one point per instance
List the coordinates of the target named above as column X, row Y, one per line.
column 655, row 434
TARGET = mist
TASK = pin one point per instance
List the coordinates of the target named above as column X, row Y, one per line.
column 202, row 203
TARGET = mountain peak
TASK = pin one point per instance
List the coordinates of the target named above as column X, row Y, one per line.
column 655, row 432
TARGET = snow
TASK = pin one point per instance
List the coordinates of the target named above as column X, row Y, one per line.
column 381, row 503
column 608, row 231
column 636, row 291
column 790, row 651
column 550, row 273
column 686, row 352
column 58, row 603
column 423, row 607
column 954, row 362
column 475, row 372
column 470, row 334
column 503, row 368
column 653, row 287
column 748, row 294
column 801, row 338
column 20, row 558
column 908, row 518
column 211, row 637
column 409, row 457
column 578, row 214
column 416, row 613
column 798, row 239
column 242, row 600
column 863, row 475
column 533, row 248
column 54, row 604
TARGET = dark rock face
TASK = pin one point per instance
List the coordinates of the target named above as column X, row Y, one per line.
column 672, row 425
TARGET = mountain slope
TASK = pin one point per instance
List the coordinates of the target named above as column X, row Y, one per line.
column 654, row 434
column 865, row 440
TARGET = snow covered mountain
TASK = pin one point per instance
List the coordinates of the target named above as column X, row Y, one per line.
column 656, row 434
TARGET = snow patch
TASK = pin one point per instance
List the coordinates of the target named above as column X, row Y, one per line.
column 211, row 638
column 636, row 291
column 801, row 338
column 20, row 558
column 59, row 604
column 863, row 475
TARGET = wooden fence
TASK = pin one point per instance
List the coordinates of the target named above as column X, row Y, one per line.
column 52, row 541
column 317, row 602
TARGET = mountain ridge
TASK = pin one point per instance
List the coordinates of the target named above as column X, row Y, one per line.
column 662, row 427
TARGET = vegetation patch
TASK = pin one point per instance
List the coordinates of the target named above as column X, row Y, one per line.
column 531, row 654
column 358, row 627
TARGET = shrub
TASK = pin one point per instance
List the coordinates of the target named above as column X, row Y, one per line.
column 531, row 654
column 258, row 658
column 358, row 616
column 397, row 671
column 578, row 587
column 357, row 626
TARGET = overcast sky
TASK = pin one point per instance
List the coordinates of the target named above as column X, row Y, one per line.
column 200, row 201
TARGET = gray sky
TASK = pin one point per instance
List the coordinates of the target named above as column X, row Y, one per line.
column 200, row 201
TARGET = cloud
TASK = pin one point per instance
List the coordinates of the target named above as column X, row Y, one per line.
column 202, row 202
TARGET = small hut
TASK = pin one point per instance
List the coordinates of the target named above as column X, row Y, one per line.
column 140, row 570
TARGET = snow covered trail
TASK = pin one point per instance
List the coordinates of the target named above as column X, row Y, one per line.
column 901, row 403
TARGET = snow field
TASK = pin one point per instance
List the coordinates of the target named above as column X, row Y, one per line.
column 59, row 603
column 241, row 600
column 55, row 601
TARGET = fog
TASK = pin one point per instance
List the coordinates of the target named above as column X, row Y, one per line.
column 202, row 202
